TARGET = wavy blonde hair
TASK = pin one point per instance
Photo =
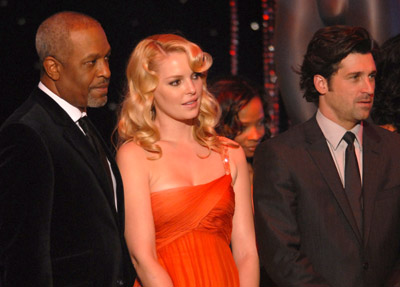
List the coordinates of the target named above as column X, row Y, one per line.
column 137, row 114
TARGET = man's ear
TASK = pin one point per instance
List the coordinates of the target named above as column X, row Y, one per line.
column 321, row 84
column 52, row 68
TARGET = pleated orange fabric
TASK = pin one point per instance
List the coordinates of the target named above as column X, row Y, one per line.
column 193, row 231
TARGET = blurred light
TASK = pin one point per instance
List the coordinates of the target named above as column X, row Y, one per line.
column 21, row 21
column 3, row 3
column 234, row 32
column 254, row 26
column 270, row 78
column 183, row 1
column 213, row 32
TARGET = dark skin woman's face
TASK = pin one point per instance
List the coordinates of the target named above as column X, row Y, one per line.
column 251, row 117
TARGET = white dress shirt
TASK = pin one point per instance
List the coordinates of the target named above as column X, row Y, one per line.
column 337, row 145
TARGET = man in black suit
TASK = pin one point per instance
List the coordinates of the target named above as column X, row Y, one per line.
column 61, row 195
column 316, row 224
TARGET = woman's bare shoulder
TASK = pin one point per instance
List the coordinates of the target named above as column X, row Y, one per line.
column 131, row 150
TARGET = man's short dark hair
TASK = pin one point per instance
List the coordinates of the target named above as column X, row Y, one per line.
column 328, row 47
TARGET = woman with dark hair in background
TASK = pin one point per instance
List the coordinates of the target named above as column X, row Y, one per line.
column 244, row 118
column 386, row 109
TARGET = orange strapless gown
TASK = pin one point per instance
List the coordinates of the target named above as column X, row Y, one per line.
column 193, row 231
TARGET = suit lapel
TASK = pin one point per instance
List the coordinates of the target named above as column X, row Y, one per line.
column 371, row 168
column 77, row 140
column 321, row 155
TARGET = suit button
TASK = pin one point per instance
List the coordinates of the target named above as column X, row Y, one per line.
column 120, row 283
column 365, row 266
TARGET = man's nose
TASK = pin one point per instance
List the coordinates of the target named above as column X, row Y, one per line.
column 369, row 85
column 104, row 69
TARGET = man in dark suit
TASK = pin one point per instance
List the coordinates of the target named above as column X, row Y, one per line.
column 316, row 224
column 61, row 196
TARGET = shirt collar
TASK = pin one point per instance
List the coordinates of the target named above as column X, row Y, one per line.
column 74, row 113
column 334, row 132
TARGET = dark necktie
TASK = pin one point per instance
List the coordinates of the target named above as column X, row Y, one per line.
column 96, row 145
column 352, row 179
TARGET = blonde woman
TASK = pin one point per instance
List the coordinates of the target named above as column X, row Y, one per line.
column 187, row 191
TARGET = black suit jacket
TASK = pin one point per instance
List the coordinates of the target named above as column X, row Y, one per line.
column 58, row 221
column 306, row 232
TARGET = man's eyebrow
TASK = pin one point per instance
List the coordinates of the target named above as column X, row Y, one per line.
column 96, row 55
column 353, row 73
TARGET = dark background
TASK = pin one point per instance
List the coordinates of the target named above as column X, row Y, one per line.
column 205, row 22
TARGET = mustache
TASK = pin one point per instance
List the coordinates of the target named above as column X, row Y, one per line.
column 365, row 97
column 103, row 83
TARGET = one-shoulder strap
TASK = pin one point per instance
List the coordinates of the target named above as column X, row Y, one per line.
column 225, row 159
